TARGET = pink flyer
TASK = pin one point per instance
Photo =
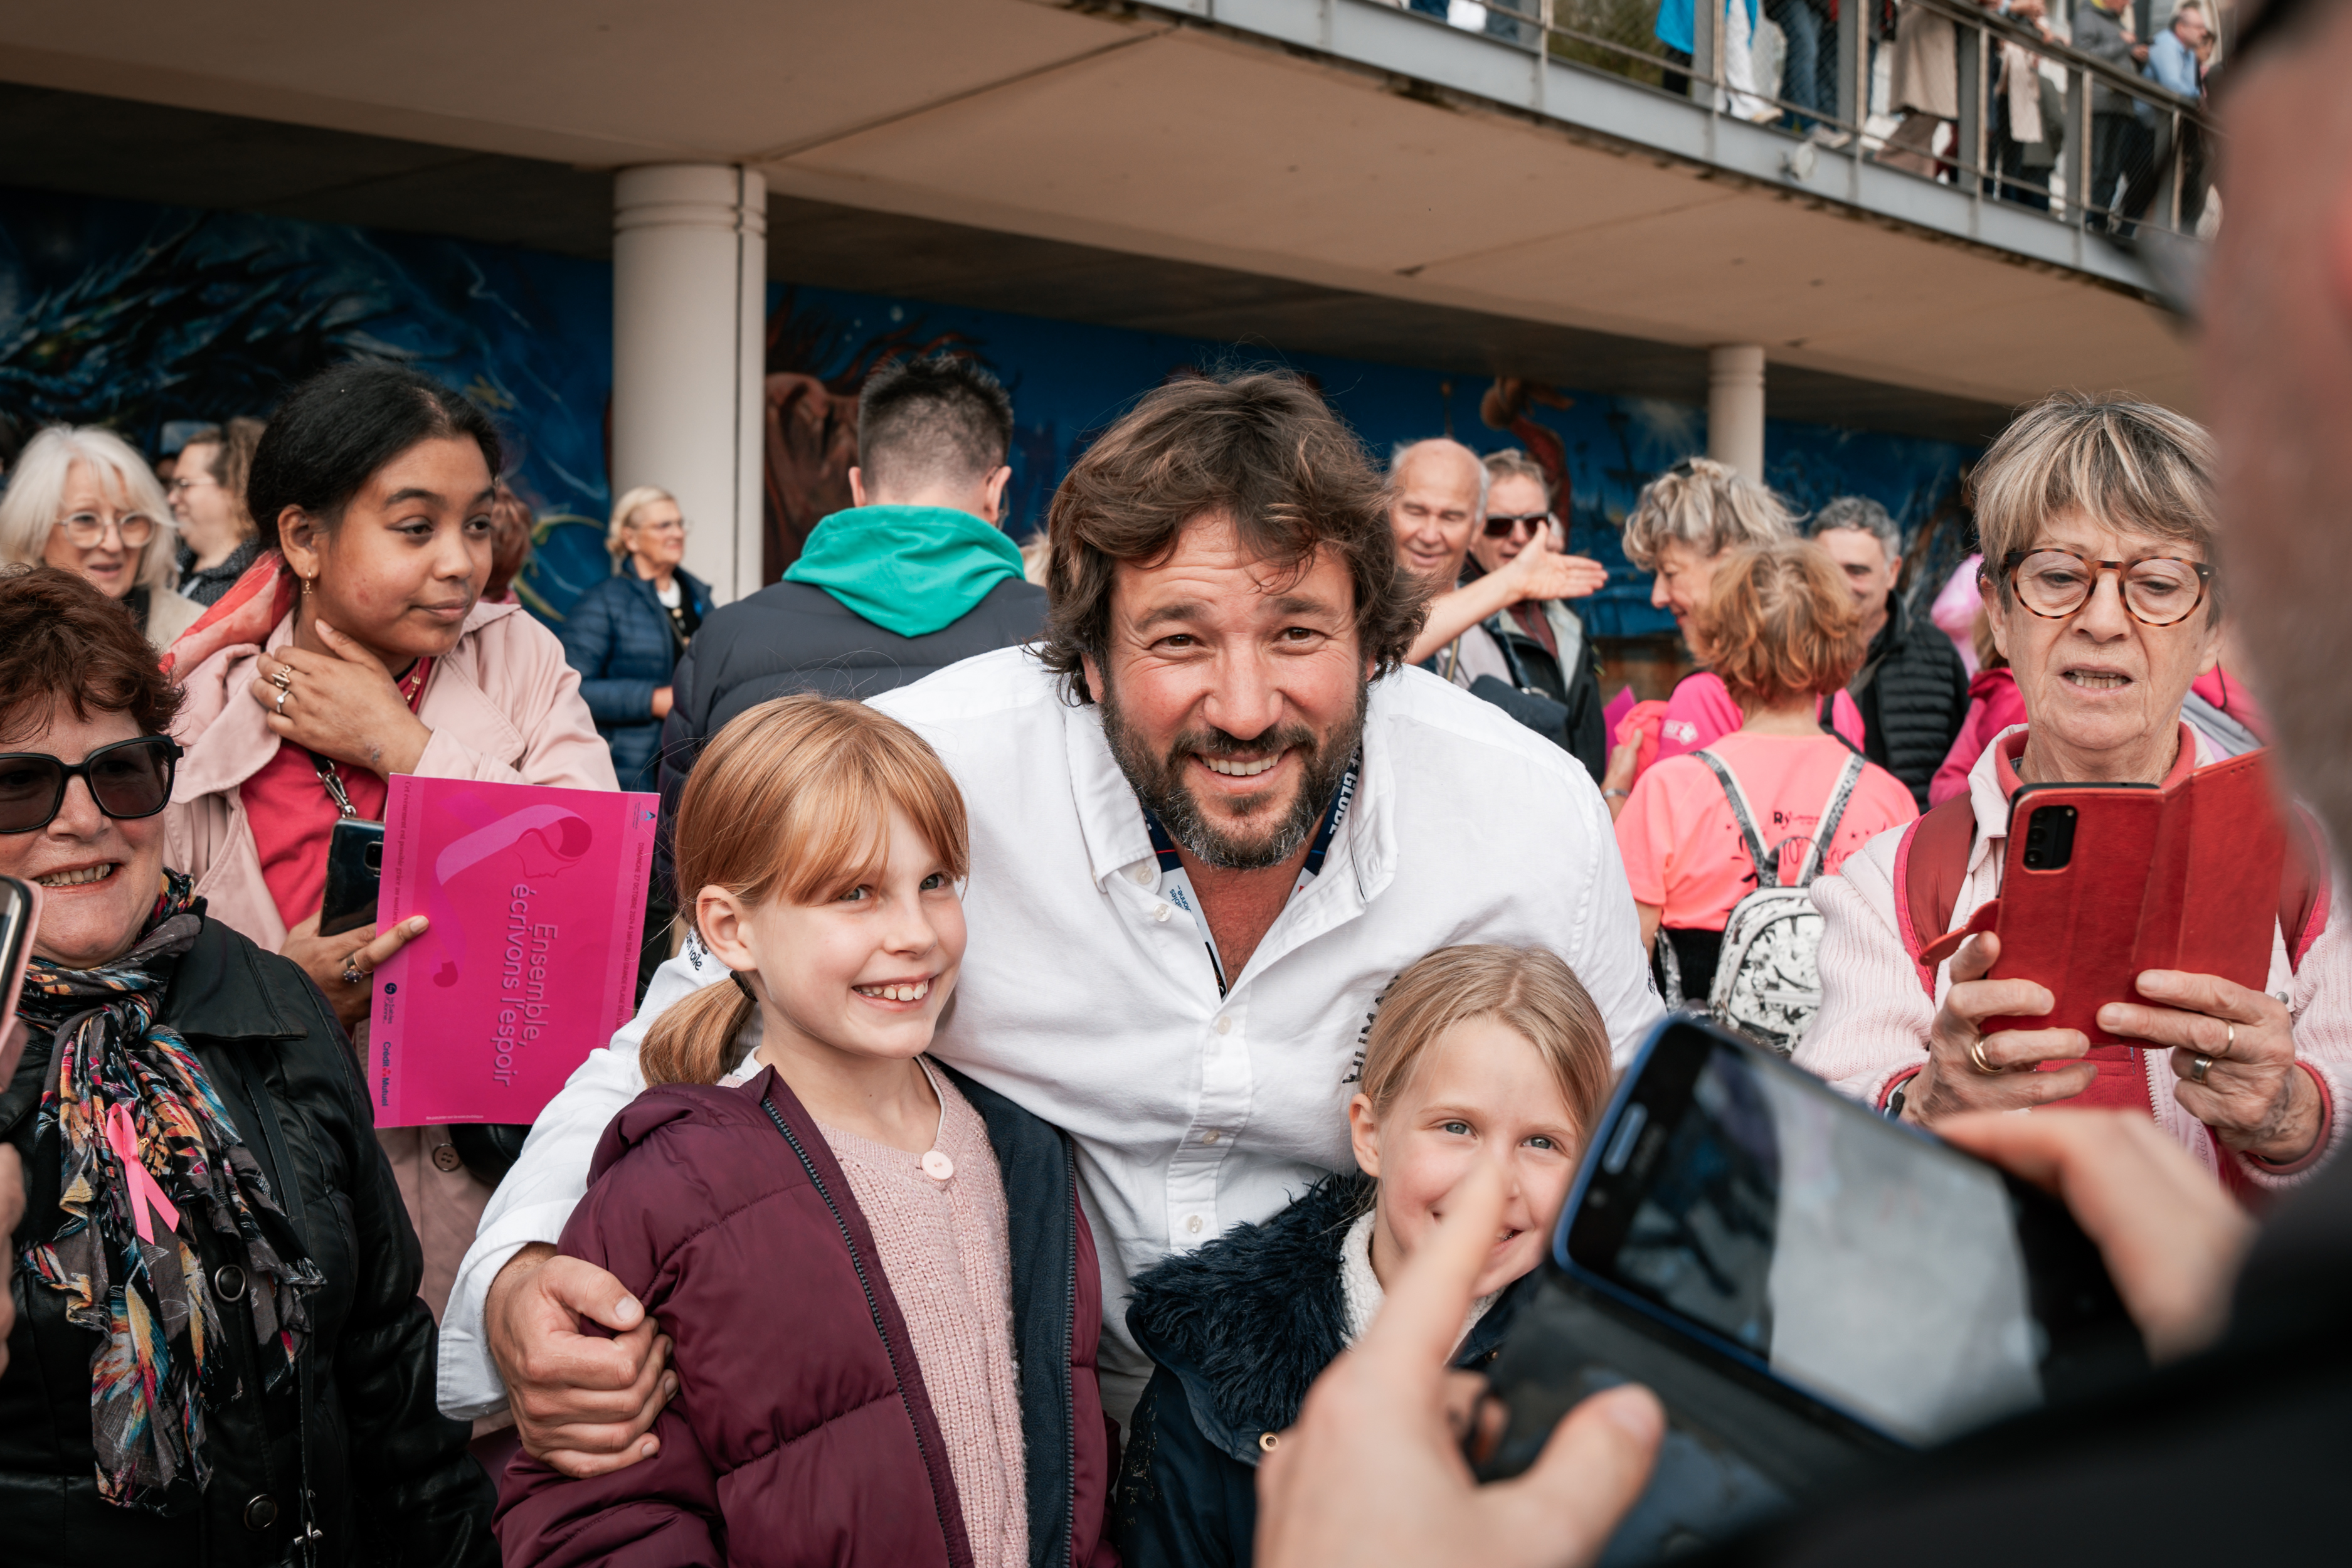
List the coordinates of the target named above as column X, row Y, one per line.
column 537, row 898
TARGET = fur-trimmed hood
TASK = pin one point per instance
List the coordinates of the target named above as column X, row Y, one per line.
column 1249, row 1321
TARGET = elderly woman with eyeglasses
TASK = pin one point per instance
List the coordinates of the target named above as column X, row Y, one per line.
column 218, row 1355
column 2096, row 519
column 82, row 500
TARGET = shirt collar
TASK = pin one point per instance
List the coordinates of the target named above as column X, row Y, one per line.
column 1110, row 817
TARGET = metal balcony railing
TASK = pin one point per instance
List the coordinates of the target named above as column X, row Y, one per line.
column 1946, row 90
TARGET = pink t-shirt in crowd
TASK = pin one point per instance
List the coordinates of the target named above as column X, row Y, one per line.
column 1683, row 849
column 1701, row 709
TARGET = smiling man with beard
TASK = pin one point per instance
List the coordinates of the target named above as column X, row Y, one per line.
column 1215, row 747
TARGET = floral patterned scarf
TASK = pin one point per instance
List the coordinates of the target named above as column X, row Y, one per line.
column 148, row 1155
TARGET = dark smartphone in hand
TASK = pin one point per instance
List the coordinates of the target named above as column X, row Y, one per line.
column 354, row 871
column 1811, row 1289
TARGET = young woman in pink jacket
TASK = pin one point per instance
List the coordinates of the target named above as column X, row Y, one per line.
column 357, row 648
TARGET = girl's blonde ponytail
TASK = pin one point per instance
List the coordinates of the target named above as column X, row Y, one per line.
column 694, row 1039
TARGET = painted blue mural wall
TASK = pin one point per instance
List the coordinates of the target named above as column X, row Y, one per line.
column 153, row 319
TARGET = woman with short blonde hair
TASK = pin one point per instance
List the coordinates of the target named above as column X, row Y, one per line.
column 80, row 499
column 625, row 634
column 1683, row 527
column 2099, row 588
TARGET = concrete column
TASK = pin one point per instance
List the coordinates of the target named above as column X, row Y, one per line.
column 689, row 342
column 1735, row 407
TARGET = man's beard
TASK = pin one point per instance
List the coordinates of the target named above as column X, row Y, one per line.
column 1158, row 782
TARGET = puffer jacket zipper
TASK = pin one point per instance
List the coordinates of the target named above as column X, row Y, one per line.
column 874, row 1309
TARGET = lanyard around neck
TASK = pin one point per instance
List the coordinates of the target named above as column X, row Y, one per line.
column 1176, row 883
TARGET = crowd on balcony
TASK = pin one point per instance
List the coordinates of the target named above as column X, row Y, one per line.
column 1298, row 895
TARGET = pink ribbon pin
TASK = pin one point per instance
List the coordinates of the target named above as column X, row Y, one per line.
column 123, row 1139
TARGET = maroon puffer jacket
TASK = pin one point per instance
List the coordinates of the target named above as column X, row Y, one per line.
column 802, row 1433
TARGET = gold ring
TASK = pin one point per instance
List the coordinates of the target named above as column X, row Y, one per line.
column 283, row 677
column 2199, row 1068
column 1976, row 1054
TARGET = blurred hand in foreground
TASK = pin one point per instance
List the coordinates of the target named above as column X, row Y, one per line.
column 1372, row 1474
column 2171, row 1235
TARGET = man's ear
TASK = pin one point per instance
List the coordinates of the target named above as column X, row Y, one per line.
column 993, row 507
column 857, row 487
column 1894, row 567
column 1092, row 670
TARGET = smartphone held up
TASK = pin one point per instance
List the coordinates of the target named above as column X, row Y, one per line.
column 1812, row 1290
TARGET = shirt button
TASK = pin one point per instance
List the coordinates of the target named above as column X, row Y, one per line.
column 938, row 1166
column 228, row 1282
column 260, row 1512
column 1159, row 911
column 1143, row 875
column 445, row 1157
column 1192, row 1224
column 1210, row 1136
column 1224, row 1026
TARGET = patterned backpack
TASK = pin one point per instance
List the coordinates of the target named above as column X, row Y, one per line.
column 1766, row 983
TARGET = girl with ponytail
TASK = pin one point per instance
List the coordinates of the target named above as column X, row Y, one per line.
column 844, row 1240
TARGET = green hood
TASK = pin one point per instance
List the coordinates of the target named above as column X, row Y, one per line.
column 913, row 570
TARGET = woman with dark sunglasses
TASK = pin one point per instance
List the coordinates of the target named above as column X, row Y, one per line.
column 218, row 1355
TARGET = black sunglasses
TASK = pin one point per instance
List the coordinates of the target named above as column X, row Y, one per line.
column 128, row 780
column 1501, row 524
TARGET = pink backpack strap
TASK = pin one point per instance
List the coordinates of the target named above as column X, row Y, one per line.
column 1931, row 866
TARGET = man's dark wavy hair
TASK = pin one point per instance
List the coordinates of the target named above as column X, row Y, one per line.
column 1262, row 449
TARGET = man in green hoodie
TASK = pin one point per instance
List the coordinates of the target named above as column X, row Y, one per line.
column 914, row 577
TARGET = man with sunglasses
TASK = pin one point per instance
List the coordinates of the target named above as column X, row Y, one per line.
column 1483, row 534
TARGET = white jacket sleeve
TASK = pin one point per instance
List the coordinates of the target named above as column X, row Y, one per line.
column 1876, row 1015
column 538, row 1195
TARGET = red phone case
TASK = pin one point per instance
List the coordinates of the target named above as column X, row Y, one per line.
column 2185, row 878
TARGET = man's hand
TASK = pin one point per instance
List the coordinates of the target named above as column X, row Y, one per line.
column 1372, row 1474
column 580, row 1402
column 1540, row 571
column 1971, row 1070
column 2172, row 1237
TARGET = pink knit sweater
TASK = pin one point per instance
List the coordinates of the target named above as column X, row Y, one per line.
column 1872, row 1030
column 945, row 1254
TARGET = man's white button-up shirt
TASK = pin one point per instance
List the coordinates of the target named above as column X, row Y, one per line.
column 1088, row 1000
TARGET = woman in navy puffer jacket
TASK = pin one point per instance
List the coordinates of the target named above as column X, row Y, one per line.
column 625, row 635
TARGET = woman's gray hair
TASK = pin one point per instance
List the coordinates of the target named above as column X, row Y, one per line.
column 2124, row 463
column 1708, row 506
column 37, row 488
column 632, row 501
